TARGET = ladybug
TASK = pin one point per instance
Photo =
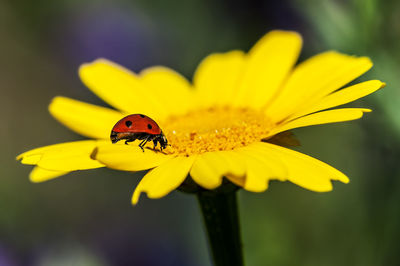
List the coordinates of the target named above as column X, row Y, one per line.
column 141, row 127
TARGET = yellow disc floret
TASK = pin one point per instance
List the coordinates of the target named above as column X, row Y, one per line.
column 214, row 129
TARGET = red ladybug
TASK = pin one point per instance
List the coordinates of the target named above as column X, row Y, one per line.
column 141, row 127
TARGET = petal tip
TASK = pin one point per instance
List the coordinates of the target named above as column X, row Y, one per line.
column 286, row 33
column 376, row 84
column 39, row 175
column 135, row 197
column 325, row 188
column 34, row 179
column 97, row 60
column 31, row 159
column 83, row 67
column 367, row 62
column 86, row 66
column 55, row 101
column 152, row 69
column 344, row 179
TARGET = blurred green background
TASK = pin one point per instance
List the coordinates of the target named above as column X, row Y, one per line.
column 85, row 218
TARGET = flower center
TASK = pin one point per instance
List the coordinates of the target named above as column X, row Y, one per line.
column 214, row 129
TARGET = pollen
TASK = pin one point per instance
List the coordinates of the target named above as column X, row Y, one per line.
column 214, row 129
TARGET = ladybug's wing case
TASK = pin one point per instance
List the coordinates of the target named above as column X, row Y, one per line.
column 137, row 123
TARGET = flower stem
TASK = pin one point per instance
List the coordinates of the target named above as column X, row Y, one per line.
column 220, row 213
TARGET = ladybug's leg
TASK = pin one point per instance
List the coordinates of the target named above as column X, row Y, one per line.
column 128, row 140
column 141, row 145
column 155, row 140
column 131, row 138
column 155, row 143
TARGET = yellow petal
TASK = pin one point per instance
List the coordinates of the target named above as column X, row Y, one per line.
column 38, row 174
column 238, row 181
column 64, row 157
column 129, row 157
column 121, row 89
column 304, row 170
column 34, row 156
column 216, row 78
column 325, row 117
column 86, row 119
column 70, row 159
column 343, row 96
column 314, row 79
column 209, row 168
column 161, row 180
column 31, row 159
column 268, row 65
column 256, row 178
column 172, row 87
column 261, row 167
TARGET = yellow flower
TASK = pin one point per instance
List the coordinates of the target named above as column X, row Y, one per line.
column 218, row 126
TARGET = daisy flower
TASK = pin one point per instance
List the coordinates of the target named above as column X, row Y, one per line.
column 225, row 124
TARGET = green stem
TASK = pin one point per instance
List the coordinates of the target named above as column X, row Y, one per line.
column 220, row 213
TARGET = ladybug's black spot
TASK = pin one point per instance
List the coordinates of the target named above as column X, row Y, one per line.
column 142, row 116
column 128, row 123
column 149, row 126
